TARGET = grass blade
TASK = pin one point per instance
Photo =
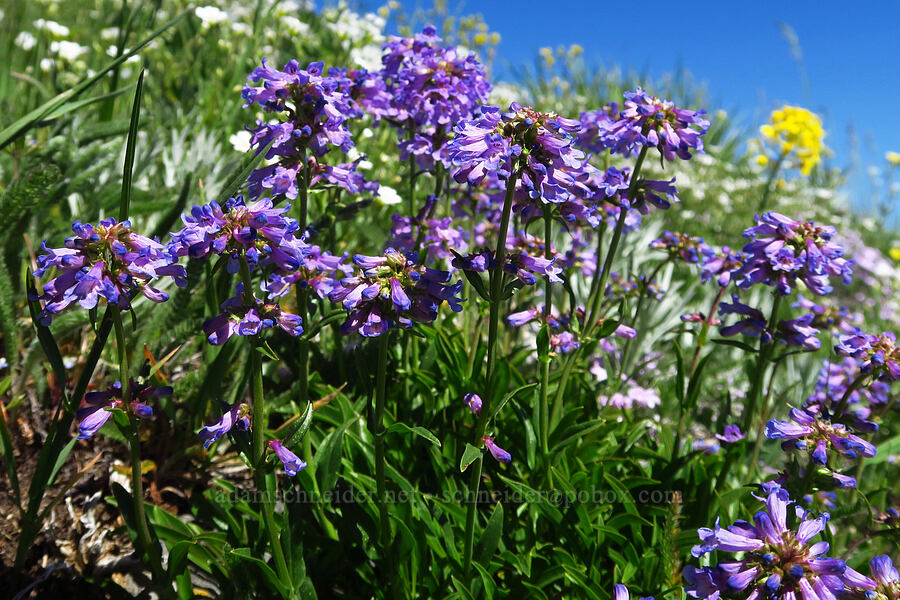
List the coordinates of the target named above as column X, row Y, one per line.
column 125, row 200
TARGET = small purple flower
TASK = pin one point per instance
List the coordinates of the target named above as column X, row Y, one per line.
column 753, row 325
column 783, row 250
column 499, row 454
column 106, row 261
column 473, row 401
column 778, row 562
column 884, row 584
column 648, row 121
column 683, row 247
column 878, row 355
column 247, row 317
column 732, row 434
column 564, row 342
column 292, row 463
column 100, row 404
column 393, row 290
column 238, row 417
column 799, row 333
column 721, row 266
column 620, row 592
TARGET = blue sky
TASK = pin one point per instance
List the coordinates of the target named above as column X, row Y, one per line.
column 850, row 57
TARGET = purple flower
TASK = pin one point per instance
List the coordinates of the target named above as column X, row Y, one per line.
column 99, row 405
column 834, row 381
column 320, row 271
column 684, row 247
column 721, row 266
column 259, row 230
column 292, row 463
column 423, row 90
column 648, row 121
column 393, row 290
column 799, row 332
column 635, row 395
column 620, row 592
column 473, row 401
column 499, row 454
column 778, row 562
column 783, row 250
column 238, row 416
column 107, row 261
column 595, row 125
column 564, row 342
column 754, row 325
column 818, row 433
column 441, row 237
column 884, row 584
column 732, row 434
column 247, row 317
column 878, row 355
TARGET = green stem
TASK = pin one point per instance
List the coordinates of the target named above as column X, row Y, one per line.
column 145, row 541
column 762, row 365
column 496, row 289
column 642, row 293
column 845, row 399
column 545, row 364
column 258, row 440
column 384, row 528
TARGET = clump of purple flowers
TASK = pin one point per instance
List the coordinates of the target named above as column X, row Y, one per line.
column 793, row 332
column 721, row 265
column 424, row 90
column 646, row 121
column 314, row 108
column 99, row 405
column 877, row 354
column 393, row 290
column 320, row 271
column 106, row 261
column 777, row 562
column 259, row 231
column 246, row 315
column 683, row 247
column 783, row 250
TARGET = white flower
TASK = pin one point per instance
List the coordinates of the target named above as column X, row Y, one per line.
column 210, row 15
column 388, row 195
column 53, row 27
column 294, row 25
column 503, row 94
column 46, row 64
column 25, row 40
column 242, row 28
column 3, row 362
column 368, row 57
column 68, row 50
column 109, row 33
column 240, row 141
column 367, row 133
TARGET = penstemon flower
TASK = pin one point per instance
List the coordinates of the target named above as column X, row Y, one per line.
column 620, row 592
column 238, row 416
column 260, row 231
column 877, row 354
column 683, row 247
column 248, row 317
column 834, row 381
column 473, row 401
column 393, row 290
column 884, row 584
column 425, row 89
column 731, row 435
column 292, row 463
column 100, row 405
column 784, row 250
column 816, row 431
column 652, row 122
column 721, row 265
column 107, row 261
column 320, row 271
column 777, row 562
column 499, row 454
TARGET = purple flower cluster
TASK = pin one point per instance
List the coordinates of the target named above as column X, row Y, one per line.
column 101, row 404
column 539, row 146
column 646, row 121
column 393, row 290
column 793, row 332
column 595, row 126
column 784, row 250
column 441, row 236
column 247, row 317
column 238, row 416
column 877, row 354
column 320, row 271
column 817, row 432
column 344, row 175
column 259, row 231
column 683, row 247
column 106, row 261
column 721, row 265
column 777, row 562
column 619, row 288
column 424, row 89
column 834, row 381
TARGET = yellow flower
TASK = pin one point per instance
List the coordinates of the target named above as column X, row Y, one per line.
column 480, row 38
column 895, row 253
column 893, row 157
column 796, row 135
column 762, row 160
column 547, row 54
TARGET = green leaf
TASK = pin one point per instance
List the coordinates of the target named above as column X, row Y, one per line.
column 470, row 455
column 419, row 431
column 61, row 460
column 6, row 447
column 735, row 343
column 130, row 143
column 477, row 284
column 266, row 350
column 75, row 105
column 607, row 328
column 496, row 410
column 511, row 288
column 543, row 344
column 292, row 432
column 18, row 128
column 244, row 554
column 490, row 537
column 45, row 337
column 328, row 457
